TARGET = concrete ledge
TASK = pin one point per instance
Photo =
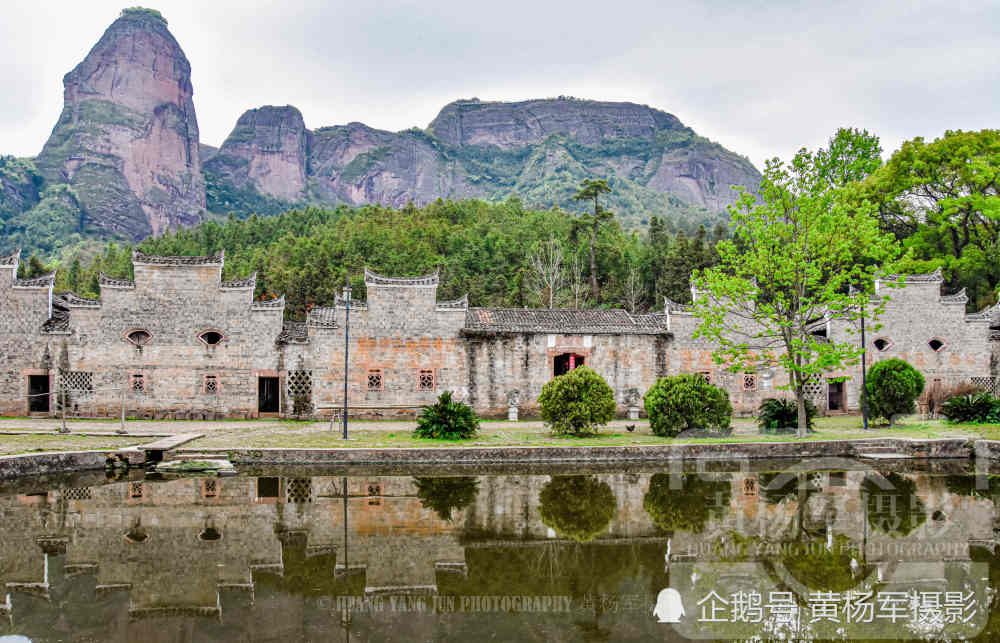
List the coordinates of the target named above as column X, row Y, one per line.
column 15, row 466
column 910, row 448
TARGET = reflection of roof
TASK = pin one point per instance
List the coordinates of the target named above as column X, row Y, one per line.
column 541, row 320
column 425, row 280
column 164, row 260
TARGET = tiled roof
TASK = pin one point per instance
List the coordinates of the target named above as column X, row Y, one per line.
column 58, row 322
column 11, row 259
column 356, row 304
column 541, row 320
column 269, row 304
column 293, row 332
column 323, row 316
column 425, row 280
column 675, row 307
column 249, row 282
column 111, row 282
column 929, row 277
column 36, row 282
column 164, row 260
column 462, row 303
column 70, row 298
column 989, row 314
column 958, row 298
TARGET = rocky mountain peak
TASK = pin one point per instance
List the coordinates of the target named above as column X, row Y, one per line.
column 127, row 138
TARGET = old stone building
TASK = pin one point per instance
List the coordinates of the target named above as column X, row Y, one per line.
column 178, row 341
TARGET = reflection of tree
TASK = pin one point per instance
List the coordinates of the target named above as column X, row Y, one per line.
column 687, row 508
column 577, row 507
column 823, row 565
column 894, row 508
column 966, row 486
column 444, row 495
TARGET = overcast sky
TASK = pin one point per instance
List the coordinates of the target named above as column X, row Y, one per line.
column 762, row 78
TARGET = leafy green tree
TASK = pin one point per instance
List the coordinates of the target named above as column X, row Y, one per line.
column 591, row 190
column 446, row 494
column 893, row 387
column 893, row 506
column 686, row 402
column 577, row 507
column 577, row 403
column 852, row 156
column 447, row 419
column 800, row 253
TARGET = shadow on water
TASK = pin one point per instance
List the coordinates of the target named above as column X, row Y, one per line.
column 716, row 551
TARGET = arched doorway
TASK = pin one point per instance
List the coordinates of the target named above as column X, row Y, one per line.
column 565, row 363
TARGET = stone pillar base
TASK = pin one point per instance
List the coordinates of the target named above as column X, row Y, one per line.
column 633, row 412
column 512, row 413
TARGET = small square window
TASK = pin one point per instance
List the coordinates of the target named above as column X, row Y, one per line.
column 749, row 381
column 750, row 486
column 136, row 491
column 425, row 381
column 138, row 383
column 209, row 488
column 211, row 384
column 375, row 381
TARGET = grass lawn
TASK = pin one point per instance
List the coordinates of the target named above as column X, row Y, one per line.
column 529, row 433
column 29, row 443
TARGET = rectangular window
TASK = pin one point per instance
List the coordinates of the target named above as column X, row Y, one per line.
column 138, row 383
column 425, row 380
column 375, row 381
column 209, row 488
column 136, row 491
column 749, row 381
column 211, row 384
column 268, row 490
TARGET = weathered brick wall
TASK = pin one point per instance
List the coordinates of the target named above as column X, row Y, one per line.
column 23, row 351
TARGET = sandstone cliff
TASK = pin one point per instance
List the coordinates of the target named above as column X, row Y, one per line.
column 537, row 150
column 127, row 138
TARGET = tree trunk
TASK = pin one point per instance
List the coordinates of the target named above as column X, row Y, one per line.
column 593, row 264
column 800, row 399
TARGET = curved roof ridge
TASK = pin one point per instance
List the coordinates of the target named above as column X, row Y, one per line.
column 105, row 280
column 462, row 303
column 36, row 282
column 372, row 277
column 246, row 282
column 176, row 260
column 12, row 259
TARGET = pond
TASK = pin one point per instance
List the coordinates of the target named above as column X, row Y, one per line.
column 828, row 549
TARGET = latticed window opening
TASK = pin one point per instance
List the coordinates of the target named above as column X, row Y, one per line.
column 138, row 383
column 136, row 490
column 814, row 389
column 425, row 380
column 211, row 384
column 374, row 494
column 209, row 488
column 749, row 381
column 299, row 383
column 77, row 493
column 375, row 381
column 79, row 384
column 988, row 384
column 750, row 487
column 298, row 490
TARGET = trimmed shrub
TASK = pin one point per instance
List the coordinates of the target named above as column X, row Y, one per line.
column 893, row 388
column 782, row 416
column 447, row 419
column 445, row 495
column 687, row 403
column 977, row 407
column 577, row 403
column 577, row 507
column 687, row 508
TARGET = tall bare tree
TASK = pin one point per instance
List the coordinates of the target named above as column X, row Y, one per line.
column 547, row 268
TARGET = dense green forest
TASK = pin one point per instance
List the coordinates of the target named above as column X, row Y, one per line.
column 939, row 199
column 488, row 250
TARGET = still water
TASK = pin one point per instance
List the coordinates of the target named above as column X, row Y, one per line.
column 839, row 550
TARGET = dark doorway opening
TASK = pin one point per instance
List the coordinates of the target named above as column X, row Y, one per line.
column 38, row 390
column 565, row 363
column 268, row 397
column 835, row 399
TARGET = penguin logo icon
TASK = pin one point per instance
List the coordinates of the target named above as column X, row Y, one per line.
column 669, row 607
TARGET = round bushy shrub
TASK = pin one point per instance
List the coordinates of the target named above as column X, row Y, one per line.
column 687, row 508
column 782, row 416
column 577, row 403
column 893, row 387
column 687, row 402
column 447, row 419
column 577, row 507
column 977, row 407
column 444, row 495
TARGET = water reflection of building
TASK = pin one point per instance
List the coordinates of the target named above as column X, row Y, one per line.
column 265, row 558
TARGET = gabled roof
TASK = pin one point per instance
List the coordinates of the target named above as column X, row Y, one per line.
column 71, row 299
column 268, row 304
column 381, row 280
column 164, row 260
column 542, row 320
column 249, row 282
column 462, row 303
column 36, row 282
column 11, row 259
column 957, row 298
column 111, row 282
column 929, row 277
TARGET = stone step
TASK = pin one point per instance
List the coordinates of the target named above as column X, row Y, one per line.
column 174, row 455
column 885, row 456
